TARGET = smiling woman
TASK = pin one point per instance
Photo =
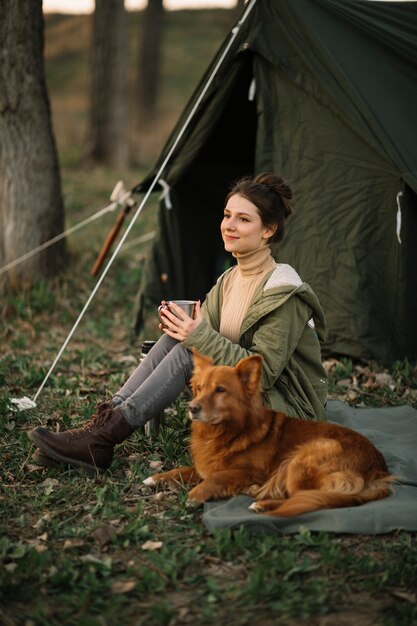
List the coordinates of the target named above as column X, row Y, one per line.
column 257, row 307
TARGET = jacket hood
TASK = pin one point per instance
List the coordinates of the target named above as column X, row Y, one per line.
column 280, row 285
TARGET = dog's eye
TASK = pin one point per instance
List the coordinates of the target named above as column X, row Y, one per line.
column 220, row 389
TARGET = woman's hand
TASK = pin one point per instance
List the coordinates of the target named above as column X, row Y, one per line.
column 175, row 327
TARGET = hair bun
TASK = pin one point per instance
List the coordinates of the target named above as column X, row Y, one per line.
column 279, row 186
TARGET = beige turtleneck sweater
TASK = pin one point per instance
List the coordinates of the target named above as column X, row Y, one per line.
column 239, row 287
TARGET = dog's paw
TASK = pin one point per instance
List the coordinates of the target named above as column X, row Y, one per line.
column 255, row 507
column 199, row 494
column 150, row 481
column 252, row 490
column 192, row 504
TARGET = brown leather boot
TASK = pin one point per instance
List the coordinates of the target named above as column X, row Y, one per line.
column 41, row 458
column 89, row 448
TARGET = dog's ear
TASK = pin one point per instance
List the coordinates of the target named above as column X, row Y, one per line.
column 200, row 363
column 201, row 360
column 249, row 372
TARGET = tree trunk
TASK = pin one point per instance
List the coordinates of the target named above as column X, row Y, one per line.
column 31, row 208
column 108, row 108
column 150, row 53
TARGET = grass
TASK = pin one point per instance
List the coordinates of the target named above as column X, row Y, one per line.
column 87, row 552
column 107, row 551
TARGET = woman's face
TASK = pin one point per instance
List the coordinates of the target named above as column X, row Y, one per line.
column 242, row 229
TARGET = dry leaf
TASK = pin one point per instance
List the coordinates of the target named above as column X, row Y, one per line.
column 73, row 543
column 404, row 595
column 50, row 481
column 10, row 567
column 344, row 382
column 104, row 533
column 152, row 545
column 34, row 468
column 50, row 484
column 384, row 379
column 351, row 395
column 123, row 586
column 40, row 547
column 156, row 465
column 136, row 456
column 369, row 384
column 330, row 365
column 90, row 558
column 42, row 521
column 128, row 360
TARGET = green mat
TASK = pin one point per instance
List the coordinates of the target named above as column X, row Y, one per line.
column 394, row 431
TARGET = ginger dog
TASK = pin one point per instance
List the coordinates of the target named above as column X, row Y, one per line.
column 290, row 466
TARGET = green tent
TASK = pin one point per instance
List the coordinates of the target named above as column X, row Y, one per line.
column 323, row 92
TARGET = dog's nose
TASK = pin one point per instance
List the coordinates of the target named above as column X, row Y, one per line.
column 194, row 409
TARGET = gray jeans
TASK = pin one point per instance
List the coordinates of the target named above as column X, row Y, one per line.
column 156, row 382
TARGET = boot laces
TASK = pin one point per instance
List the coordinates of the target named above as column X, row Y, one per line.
column 98, row 419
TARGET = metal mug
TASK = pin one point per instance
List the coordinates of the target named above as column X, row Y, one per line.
column 188, row 306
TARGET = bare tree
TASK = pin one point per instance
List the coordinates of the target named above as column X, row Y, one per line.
column 31, row 209
column 150, row 53
column 108, row 108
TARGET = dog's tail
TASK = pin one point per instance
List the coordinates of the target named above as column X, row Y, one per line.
column 308, row 500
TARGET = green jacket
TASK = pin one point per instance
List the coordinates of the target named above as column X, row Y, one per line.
column 283, row 324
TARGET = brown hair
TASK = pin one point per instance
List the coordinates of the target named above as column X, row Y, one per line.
column 271, row 195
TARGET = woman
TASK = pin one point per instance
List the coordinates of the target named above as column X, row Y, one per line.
column 257, row 306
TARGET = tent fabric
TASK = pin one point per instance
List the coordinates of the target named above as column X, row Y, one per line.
column 334, row 113
column 394, row 431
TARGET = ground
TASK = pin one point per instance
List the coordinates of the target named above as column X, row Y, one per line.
column 83, row 551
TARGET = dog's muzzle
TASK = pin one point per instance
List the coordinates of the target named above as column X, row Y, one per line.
column 194, row 411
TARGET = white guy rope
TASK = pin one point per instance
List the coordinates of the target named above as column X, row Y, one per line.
column 69, row 231
column 235, row 31
column 165, row 193
column 399, row 194
column 139, row 240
